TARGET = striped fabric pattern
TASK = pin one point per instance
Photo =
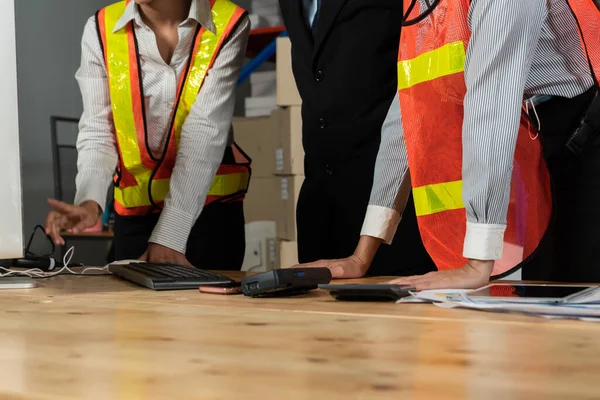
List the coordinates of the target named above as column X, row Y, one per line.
column 517, row 50
column 205, row 135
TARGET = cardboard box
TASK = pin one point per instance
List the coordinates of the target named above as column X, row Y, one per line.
column 256, row 137
column 289, row 187
column 263, row 201
column 264, row 84
column 257, row 257
column 260, row 106
column 288, row 253
column 287, row 91
column 289, row 153
column 282, row 253
column 274, row 199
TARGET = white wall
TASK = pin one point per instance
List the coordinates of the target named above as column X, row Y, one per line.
column 11, row 242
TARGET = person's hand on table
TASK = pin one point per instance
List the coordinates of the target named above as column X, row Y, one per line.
column 353, row 267
column 76, row 219
column 157, row 253
column 473, row 275
column 346, row 268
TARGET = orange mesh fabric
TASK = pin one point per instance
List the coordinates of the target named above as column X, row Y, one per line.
column 432, row 114
column 588, row 17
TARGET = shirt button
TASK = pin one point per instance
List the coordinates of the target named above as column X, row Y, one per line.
column 329, row 169
column 319, row 76
column 322, row 123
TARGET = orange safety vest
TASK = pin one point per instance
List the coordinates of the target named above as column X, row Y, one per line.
column 142, row 179
column 431, row 89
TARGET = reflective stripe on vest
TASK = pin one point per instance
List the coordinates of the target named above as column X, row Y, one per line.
column 136, row 164
column 447, row 60
column 431, row 89
column 439, row 197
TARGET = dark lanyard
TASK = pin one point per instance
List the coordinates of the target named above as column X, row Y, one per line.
column 430, row 8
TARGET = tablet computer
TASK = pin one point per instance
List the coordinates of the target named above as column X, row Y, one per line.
column 528, row 293
column 365, row 292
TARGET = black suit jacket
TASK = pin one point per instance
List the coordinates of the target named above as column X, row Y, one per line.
column 347, row 77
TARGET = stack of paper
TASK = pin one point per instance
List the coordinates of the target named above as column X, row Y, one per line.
column 586, row 307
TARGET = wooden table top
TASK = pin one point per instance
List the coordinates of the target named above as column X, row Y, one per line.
column 102, row 338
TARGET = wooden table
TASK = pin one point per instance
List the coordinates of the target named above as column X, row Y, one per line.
column 102, row 338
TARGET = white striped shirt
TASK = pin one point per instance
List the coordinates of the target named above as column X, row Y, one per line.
column 205, row 134
column 518, row 49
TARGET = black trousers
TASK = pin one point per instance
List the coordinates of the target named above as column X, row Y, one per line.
column 568, row 253
column 217, row 240
column 330, row 214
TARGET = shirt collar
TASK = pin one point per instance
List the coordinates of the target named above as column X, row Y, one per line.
column 199, row 12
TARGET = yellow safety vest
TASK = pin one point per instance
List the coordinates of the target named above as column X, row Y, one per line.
column 142, row 179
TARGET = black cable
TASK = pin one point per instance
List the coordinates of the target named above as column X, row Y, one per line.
column 142, row 98
column 171, row 126
column 590, row 123
column 29, row 253
column 412, row 5
column 23, row 274
column 422, row 16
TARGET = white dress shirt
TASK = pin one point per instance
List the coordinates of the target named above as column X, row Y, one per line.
column 310, row 10
column 206, row 132
column 517, row 50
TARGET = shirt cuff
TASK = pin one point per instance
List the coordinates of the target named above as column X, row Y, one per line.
column 173, row 229
column 92, row 188
column 381, row 222
column 484, row 241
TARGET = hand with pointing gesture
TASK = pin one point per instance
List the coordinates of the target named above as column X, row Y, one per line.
column 65, row 216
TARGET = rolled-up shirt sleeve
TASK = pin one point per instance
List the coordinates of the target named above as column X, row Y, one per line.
column 499, row 57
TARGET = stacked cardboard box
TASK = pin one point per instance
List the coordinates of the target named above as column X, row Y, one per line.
column 289, row 156
column 275, row 145
column 263, row 97
column 287, row 91
column 263, row 94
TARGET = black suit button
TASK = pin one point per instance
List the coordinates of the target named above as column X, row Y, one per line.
column 322, row 123
column 329, row 169
column 319, row 76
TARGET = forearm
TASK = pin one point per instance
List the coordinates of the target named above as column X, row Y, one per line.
column 367, row 249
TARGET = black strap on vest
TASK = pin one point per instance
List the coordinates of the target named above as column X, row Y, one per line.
column 430, row 8
column 590, row 123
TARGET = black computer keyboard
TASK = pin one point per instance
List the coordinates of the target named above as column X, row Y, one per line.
column 167, row 276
